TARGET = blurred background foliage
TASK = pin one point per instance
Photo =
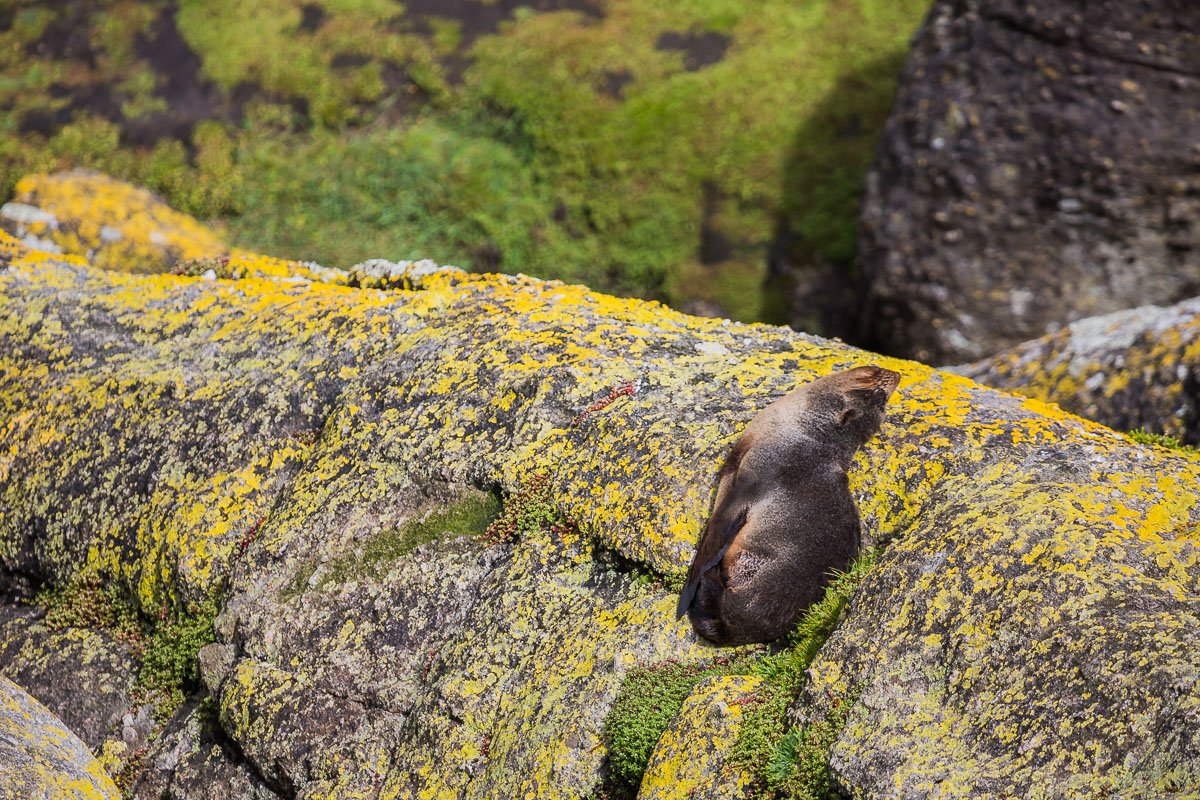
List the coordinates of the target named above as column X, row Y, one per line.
column 654, row 148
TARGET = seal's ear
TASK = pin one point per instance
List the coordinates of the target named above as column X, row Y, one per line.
column 848, row 415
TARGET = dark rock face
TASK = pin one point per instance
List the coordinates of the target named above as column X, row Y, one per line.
column 1041, row 165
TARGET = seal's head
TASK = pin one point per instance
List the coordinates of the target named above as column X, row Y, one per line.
column 854, row 400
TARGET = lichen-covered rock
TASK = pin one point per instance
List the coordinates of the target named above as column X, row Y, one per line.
column 1131, row 369
column 84, row 676
column 1030, row 627
column 193, row 760
column 1039, row 166
column 42, row 760
column 117, row 225
column 690, row 762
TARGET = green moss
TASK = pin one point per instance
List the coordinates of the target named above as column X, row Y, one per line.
column 1142, row 436
column 170, row 669
column 799, row 766
column 87, row 604
column 649, row 698
column 470, row 516
column 166, row 647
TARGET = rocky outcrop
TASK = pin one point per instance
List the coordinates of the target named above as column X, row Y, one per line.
column 324, row 459
column 117, row 225
column 40, row 759
column 1130, row 369
column 63, row 665
column 1039, row 166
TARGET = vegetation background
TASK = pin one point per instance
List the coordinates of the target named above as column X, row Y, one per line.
column 657, row 148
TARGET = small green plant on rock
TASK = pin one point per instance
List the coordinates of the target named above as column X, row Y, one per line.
column 799, row 766
column 170, row 668
column 166, row 645
column 1142, row 436
column 87, row 604
column 526, row 512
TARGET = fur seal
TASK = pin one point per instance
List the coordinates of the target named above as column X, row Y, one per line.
column 784, row 517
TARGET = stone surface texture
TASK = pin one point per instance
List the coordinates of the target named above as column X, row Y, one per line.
column 1030, row 628
column 1040, row 165
column 1135, row 369
column 40, row 759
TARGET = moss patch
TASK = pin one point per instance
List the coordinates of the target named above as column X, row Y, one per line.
column 470, row 516
column 166, row 647
column 793, row 762
column 1142, row 436
column 649, row 699
column 88, row 604
column 170, row 669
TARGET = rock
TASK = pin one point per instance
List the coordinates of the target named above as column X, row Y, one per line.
column 117, row 225
column 84, row 676
column 1129, row 369
column 120, row 225
column 42, row 760
column 307, row 447
column 193, row 760
column 1051, row 137
column 690, row 761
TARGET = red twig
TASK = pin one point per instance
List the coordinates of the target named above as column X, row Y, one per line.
column 626, row 389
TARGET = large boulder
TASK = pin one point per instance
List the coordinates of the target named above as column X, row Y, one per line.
column 1134, row 369
column 1039, row 166
column 324, row 458
column 40, row 759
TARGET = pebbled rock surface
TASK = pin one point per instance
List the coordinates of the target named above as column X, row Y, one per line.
column 193, row 760
column 84, row 676
column 40, row 759
column 1032, row 624
column 1130, row 369
column 1040, row 166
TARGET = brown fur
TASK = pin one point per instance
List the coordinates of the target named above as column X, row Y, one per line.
column 783, row 518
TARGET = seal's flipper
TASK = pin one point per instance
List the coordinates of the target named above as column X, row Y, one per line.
column 706, row 560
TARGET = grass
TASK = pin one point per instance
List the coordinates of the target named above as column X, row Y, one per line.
column 786, row 762
column 324, row 144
